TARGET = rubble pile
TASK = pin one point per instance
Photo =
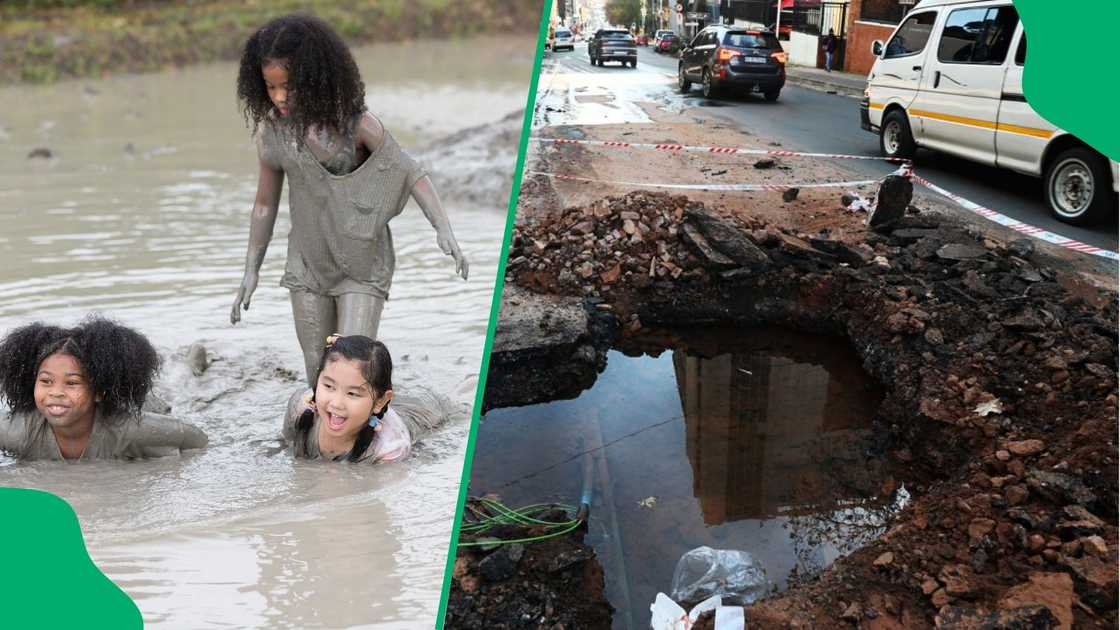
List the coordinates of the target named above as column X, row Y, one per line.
column 1000, row 413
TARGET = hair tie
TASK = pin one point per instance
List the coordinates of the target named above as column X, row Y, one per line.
column 331, row 339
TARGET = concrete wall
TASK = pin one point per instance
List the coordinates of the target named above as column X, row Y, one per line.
column 802, row 49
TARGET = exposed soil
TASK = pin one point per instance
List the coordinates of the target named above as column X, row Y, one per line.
column 1001, row 389
column 49, row 44
column 555, row 583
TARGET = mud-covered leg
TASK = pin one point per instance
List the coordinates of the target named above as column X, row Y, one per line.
column 359, row 314
column 316, row 317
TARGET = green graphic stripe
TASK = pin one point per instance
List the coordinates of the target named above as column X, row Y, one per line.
column 495, row 303
column 49, row 580
column 1075, row 87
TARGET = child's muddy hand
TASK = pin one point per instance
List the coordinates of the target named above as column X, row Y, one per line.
column 244, row 293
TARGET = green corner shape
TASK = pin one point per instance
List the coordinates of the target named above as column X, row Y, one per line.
column 49, row 580
column 1069, row 76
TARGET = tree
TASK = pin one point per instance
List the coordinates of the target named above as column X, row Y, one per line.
column 624, row 12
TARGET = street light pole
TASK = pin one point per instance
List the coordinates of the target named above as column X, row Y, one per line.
column 778, row 22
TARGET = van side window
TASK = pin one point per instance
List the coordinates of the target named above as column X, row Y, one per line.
column 912, row 36
column 1021, row 53
column 980, row 35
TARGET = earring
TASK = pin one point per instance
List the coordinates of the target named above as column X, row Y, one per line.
column 374, row 421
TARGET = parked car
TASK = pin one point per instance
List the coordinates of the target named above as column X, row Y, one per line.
column 563, row 40
column 613, row 45
column 950, row 78
column 666, row 43
column 661, row 34
column 723, row 57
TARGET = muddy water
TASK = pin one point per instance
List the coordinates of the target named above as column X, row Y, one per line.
column 142, row 214
column 736, row 439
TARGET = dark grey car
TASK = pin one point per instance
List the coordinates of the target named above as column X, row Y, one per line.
column 723, row 57
column 613, row 45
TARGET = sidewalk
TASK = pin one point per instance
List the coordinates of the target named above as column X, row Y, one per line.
column 817, row 79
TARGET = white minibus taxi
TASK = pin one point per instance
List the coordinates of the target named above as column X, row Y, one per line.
column 950, row 79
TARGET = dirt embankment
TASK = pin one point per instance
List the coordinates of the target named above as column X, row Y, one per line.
column 1000, row 379
column 51, row 44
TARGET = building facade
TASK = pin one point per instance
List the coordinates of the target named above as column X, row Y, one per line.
column 871, row 20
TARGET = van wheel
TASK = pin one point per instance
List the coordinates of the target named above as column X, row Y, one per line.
column 772, row 96
column 683, row 84
column 895, row 139
column 1079, row 186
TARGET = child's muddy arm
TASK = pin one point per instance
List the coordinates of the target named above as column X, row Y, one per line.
column 157, row 434
column 265, row 207
column 11, row 430
column 296, row 406
column 424, row 192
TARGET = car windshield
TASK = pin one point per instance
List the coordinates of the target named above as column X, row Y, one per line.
column 751, row 40
column 616, row 35
column 563, row 34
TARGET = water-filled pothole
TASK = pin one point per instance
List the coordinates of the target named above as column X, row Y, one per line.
column 758, row 440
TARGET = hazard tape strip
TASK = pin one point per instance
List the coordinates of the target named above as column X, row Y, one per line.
column 905, row 170
column 716, row 187
column 1018, row 226
column 614, row 144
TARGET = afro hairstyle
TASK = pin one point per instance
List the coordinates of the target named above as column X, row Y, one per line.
column 119, row 363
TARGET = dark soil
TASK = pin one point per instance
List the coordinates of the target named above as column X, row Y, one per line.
column 555, row 584
column 1001, row 393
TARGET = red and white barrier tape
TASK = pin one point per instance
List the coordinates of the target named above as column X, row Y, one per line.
column 711, row 149
column 905, row 170
column 716, row 187
column 1015, row 224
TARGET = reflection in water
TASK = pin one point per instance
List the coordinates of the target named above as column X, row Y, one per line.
column 142, row 215
column 752, row 440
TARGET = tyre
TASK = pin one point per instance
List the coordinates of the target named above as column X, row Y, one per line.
column 599, row 61
column 1079, row 186
column 683, row 84
column 895, row 139
column 772, row 96
column 709, row 89
column 633, row 63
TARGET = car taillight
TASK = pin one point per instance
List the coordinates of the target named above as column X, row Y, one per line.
column 780, row 57
column 725, row 55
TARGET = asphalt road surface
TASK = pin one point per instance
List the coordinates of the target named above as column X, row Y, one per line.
column 809, row 120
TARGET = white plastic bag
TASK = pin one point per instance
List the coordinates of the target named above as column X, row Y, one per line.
column 665, row 614
column 705, row 572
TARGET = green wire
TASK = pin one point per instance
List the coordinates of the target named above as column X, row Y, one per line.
column 504, row 515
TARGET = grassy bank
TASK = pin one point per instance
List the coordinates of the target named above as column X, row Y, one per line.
column 88, row 40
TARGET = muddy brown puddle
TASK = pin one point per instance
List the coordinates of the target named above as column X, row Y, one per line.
column 758, row 440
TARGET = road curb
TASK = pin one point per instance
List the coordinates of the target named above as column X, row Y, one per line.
column 823, row 86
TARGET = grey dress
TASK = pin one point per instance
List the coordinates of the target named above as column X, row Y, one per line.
column 340, row 240
column 28, row 436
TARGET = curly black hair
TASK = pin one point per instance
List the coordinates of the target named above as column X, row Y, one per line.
column 119, row 363
column 323, row 80
column 377, row 368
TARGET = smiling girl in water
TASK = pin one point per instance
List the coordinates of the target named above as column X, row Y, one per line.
column 76, row 393
column 301, row 92
column 348, row 417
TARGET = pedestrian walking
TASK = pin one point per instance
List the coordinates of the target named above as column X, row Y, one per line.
column 830, row 42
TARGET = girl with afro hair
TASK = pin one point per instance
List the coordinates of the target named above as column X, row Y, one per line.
column 77, row 394
column 301, row 92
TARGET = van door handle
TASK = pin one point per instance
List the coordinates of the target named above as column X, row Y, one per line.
column 936, row 79
column 916, row 68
